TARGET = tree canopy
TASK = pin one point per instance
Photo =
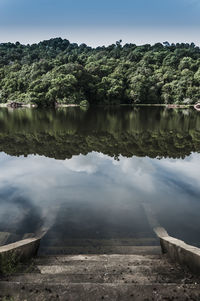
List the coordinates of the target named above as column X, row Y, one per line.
column 57, row 71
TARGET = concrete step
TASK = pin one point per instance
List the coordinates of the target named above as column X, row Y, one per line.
column 147, row 269
column 102, row 269
column 151, row 241
column 101, row 277
column 98, row 291
column 108, row 277
column 99, row 268
column 103, row 259
column 116, row 249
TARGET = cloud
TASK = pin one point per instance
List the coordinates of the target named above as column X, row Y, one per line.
column 97, row 185
column 186, row 170
column 81, row 163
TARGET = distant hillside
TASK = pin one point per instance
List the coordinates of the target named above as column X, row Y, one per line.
column 56, row 71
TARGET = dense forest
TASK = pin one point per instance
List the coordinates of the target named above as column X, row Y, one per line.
column 59, row 72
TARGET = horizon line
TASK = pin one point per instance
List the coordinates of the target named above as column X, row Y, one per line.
column 119, row 40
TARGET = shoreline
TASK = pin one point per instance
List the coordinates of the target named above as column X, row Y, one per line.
column 169, row 106
column 29, row 105
column 7, row 105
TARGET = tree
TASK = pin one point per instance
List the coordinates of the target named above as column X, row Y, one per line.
column 57, row 71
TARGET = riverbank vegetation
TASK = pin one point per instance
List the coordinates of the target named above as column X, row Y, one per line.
column 56, row 71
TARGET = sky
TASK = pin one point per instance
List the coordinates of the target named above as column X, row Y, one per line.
column 102, row 22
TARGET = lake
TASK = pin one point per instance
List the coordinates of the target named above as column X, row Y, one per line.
column 87, row 175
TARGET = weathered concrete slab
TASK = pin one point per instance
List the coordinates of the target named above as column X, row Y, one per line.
column 85, row 259
column 98, row 277
column 140, row 241
column 181, row 252
column 95, row 292
column 101, row 250
column 123, row 278
column 25, row 246
column 176, row 249
column 98, row 268
column 19, row 251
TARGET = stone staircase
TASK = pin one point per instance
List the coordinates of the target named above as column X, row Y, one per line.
column 99, row 246
column 142, row 274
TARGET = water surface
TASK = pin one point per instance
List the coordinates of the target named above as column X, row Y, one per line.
column 87, row 175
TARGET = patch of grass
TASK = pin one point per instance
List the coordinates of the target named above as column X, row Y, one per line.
column 9, row 263
column 7, row 298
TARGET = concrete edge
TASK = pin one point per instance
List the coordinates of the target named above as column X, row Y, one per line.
column 179, row 251
column 22, row 250
column 18, row 245
column 19, row 251
column 175, row 249
column 160, row 232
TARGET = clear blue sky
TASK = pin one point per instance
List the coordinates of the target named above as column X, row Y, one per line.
column 98, row 22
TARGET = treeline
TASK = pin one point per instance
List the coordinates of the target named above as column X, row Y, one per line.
column 57, row 71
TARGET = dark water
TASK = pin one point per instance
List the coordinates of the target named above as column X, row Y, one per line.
column 89, row 174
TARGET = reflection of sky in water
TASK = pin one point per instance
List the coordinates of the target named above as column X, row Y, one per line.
column 98, row 192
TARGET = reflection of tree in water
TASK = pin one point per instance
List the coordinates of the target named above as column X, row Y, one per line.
column 128, row 131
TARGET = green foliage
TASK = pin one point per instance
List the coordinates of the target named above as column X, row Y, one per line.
column 9, row 263
column 7, row 298
column 57, row 71
column 84, row 103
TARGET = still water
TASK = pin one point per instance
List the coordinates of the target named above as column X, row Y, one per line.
column 86, row 176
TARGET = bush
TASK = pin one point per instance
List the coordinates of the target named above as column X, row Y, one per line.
column 84, row 103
